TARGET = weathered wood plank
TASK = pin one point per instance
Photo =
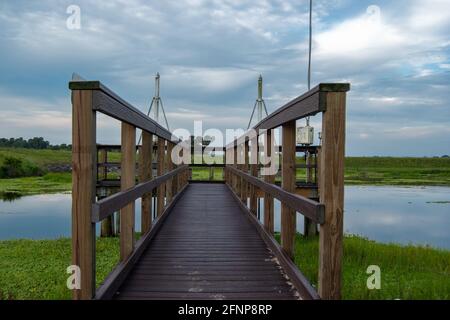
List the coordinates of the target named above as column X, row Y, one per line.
column 105, row 207
column 84, row 161
column 254, row 173
column 108, row 102
column 146, row 174
column 127, row 181
column 244, row 167
column 119, row 274
column 169, row 167
column 332, row 195
column 161, row 191
column 219, row 253
column 288, row 216
column 307, row 207
column 269, row 141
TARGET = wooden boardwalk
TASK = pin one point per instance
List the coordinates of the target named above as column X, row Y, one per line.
column 206, row 242
column 207, row 248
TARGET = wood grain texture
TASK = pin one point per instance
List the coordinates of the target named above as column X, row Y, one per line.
column 310, row 228
column 296, row 202
column 309, row 103
column 169, row 167
column 84, row 161
column 161, row 191
column 269, row 141
column 127, row 181
column 206, row 249
column 146, row 174
column 235, row 164
column 106, row 207
column 244, row 167
column 114, row 279
column 288, row 216
column 254, row 172
column 332, row 195
column 109, row 103
column 107, row 224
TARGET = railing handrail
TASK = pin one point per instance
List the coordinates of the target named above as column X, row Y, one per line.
column 307, row 104
column 88, row 98
column 307, row 207
column 107, row 206
column 241, row 175
column 109, row 103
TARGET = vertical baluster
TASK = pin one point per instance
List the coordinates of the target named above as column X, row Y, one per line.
column 107, row 224
column 268, row 199
column 244, row 167
column 127, row 180
column 288, row 216
column 160, row 170
column 175, row 180
column 146, row 174
column 254, row 172
column 309, row 227
column 169, row 167
column 235, row 165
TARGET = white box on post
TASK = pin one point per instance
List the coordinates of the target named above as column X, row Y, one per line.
column 305, row 135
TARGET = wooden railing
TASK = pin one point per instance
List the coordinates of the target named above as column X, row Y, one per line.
column 88, row 98
column 330, row 100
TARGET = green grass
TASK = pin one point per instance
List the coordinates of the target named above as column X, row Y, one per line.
column 41, row 158
column 48, row 183
column 36, row 269
column 359, row 171
column 397, row 171
column 407, row 272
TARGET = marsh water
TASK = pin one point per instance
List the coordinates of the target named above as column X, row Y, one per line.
column 417, row 215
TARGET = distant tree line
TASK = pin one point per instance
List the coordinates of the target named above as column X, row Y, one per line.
column 33, row 143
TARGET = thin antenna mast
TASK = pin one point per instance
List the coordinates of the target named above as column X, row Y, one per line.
column 260, row 105
column 157, row 103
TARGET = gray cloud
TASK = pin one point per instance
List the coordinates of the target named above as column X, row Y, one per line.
column 210, row 54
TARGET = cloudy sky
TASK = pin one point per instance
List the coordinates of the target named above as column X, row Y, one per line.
column 210, row 53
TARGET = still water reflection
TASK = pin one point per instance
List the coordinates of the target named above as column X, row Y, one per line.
column 419, row 215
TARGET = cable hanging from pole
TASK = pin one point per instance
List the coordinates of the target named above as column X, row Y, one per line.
column 309, row 51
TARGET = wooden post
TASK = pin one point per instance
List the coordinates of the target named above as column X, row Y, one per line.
column 244, row 167
column 288, row 216
column 332, row 196
column 254, row 172
column 268, row 199
column 102, row 170
column 169, row 167
column 309, row 227
column 146, row 174
column 127, row 180
column 160, row 170
column 84, row 161
column 235, row 177
column 107, row 224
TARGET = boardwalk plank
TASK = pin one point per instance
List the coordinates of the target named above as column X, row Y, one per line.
column 207, row 249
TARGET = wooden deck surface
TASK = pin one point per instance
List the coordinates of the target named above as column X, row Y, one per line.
column 207, row 249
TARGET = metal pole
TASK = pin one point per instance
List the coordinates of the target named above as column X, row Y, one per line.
column 260, row 107
column 309, row 51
